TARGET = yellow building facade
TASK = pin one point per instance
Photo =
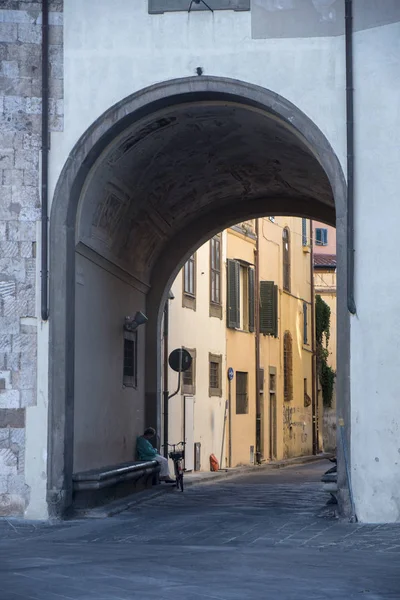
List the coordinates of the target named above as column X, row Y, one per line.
column 245, row 298
column 276, row 420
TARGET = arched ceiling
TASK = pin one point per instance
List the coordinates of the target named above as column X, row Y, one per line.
column 189, row 167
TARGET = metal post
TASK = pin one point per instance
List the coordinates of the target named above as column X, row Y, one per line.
column 223, row 435
column 230, row 423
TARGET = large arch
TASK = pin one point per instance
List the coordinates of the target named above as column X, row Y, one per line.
column 185, row 158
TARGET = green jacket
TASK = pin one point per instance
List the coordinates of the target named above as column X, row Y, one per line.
column 144, row 449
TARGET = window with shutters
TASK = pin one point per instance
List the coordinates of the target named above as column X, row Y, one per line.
column 215, row 277
column 189, row 283
column 287, row 366
column 242, row 400
column 240, row 295
column 286, row 259
column 130, row 359
column 215, row 375
column 244, row 298
column 251, row 299
column 304, row 240
column 189, row 376
column 321, row 236
column 233, row 294
column 268, row 308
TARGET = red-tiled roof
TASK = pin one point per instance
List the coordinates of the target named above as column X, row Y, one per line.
column 327, row 261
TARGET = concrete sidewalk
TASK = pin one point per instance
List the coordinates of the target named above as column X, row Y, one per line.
column 194, row 478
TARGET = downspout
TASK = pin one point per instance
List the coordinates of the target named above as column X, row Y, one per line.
column 314, row 375
column 351, row 305
column 257, row 340
column 45, row 161
column 165, row 376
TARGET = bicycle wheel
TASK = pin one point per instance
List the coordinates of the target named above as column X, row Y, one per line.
column 177, row 474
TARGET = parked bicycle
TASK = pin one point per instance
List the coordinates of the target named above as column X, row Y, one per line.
column 177, row 455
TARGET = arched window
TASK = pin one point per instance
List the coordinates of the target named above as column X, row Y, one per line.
column 286, row 259
column 287, row 366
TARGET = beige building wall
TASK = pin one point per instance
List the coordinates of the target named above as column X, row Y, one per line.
column 240, row 344
column 193, row 326
column 286, row 425
column 294, row 416
column 325, row 286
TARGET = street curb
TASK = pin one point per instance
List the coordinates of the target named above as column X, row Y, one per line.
column 119, row 506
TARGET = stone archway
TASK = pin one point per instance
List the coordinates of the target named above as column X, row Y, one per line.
column 191, row 157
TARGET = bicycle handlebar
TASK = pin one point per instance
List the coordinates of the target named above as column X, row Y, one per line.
column 173, row 445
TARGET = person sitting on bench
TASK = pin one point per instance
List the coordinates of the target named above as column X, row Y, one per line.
column 146, row 451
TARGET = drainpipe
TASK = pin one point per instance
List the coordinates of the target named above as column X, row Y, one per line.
column 165, row 376
column 257, row 341
column 45, row 160
column 314, row 375
column 351, row 305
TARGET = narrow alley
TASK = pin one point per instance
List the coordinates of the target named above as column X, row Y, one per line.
column 265, row 534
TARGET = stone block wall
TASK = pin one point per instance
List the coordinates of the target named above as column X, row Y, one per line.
column 20, row 144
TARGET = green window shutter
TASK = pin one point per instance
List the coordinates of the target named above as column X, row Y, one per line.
column 251, row 299
column 275, row 310
column 267, row 319
column 233, row 294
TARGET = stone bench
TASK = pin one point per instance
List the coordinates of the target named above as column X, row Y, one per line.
column 100, row 486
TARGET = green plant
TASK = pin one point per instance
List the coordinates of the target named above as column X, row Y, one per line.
column 322, row 333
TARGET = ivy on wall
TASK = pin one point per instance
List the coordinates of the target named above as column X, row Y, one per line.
column 322, row 332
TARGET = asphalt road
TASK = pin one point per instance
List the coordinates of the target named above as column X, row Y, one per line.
column 264, row 535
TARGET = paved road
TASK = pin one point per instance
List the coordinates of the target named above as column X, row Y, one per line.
column 263, row 536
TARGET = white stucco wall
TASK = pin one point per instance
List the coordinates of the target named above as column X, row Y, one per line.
column 197, row 330
column 108, row 416
column 375, row 385
column 111, row 53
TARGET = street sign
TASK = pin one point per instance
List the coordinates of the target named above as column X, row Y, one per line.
column 231, row 373
column 180, row 360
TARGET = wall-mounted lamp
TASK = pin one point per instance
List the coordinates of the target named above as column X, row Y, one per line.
column 132, row 324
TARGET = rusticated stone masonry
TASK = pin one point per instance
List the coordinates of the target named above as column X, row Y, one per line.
column 20, row 144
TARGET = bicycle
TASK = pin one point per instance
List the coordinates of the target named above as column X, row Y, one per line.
column 178, row 456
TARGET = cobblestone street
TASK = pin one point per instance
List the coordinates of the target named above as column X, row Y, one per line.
column 266, row 534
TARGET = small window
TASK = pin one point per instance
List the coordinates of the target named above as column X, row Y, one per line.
column 215, row 375
column 286, row 259
column 321, row 236
column 189, row 283
column 242, row 400
column 189, row 376
column 130, row 359
column 215, row 277
column 305, row 323
column 304, row 232
column 287, row 367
